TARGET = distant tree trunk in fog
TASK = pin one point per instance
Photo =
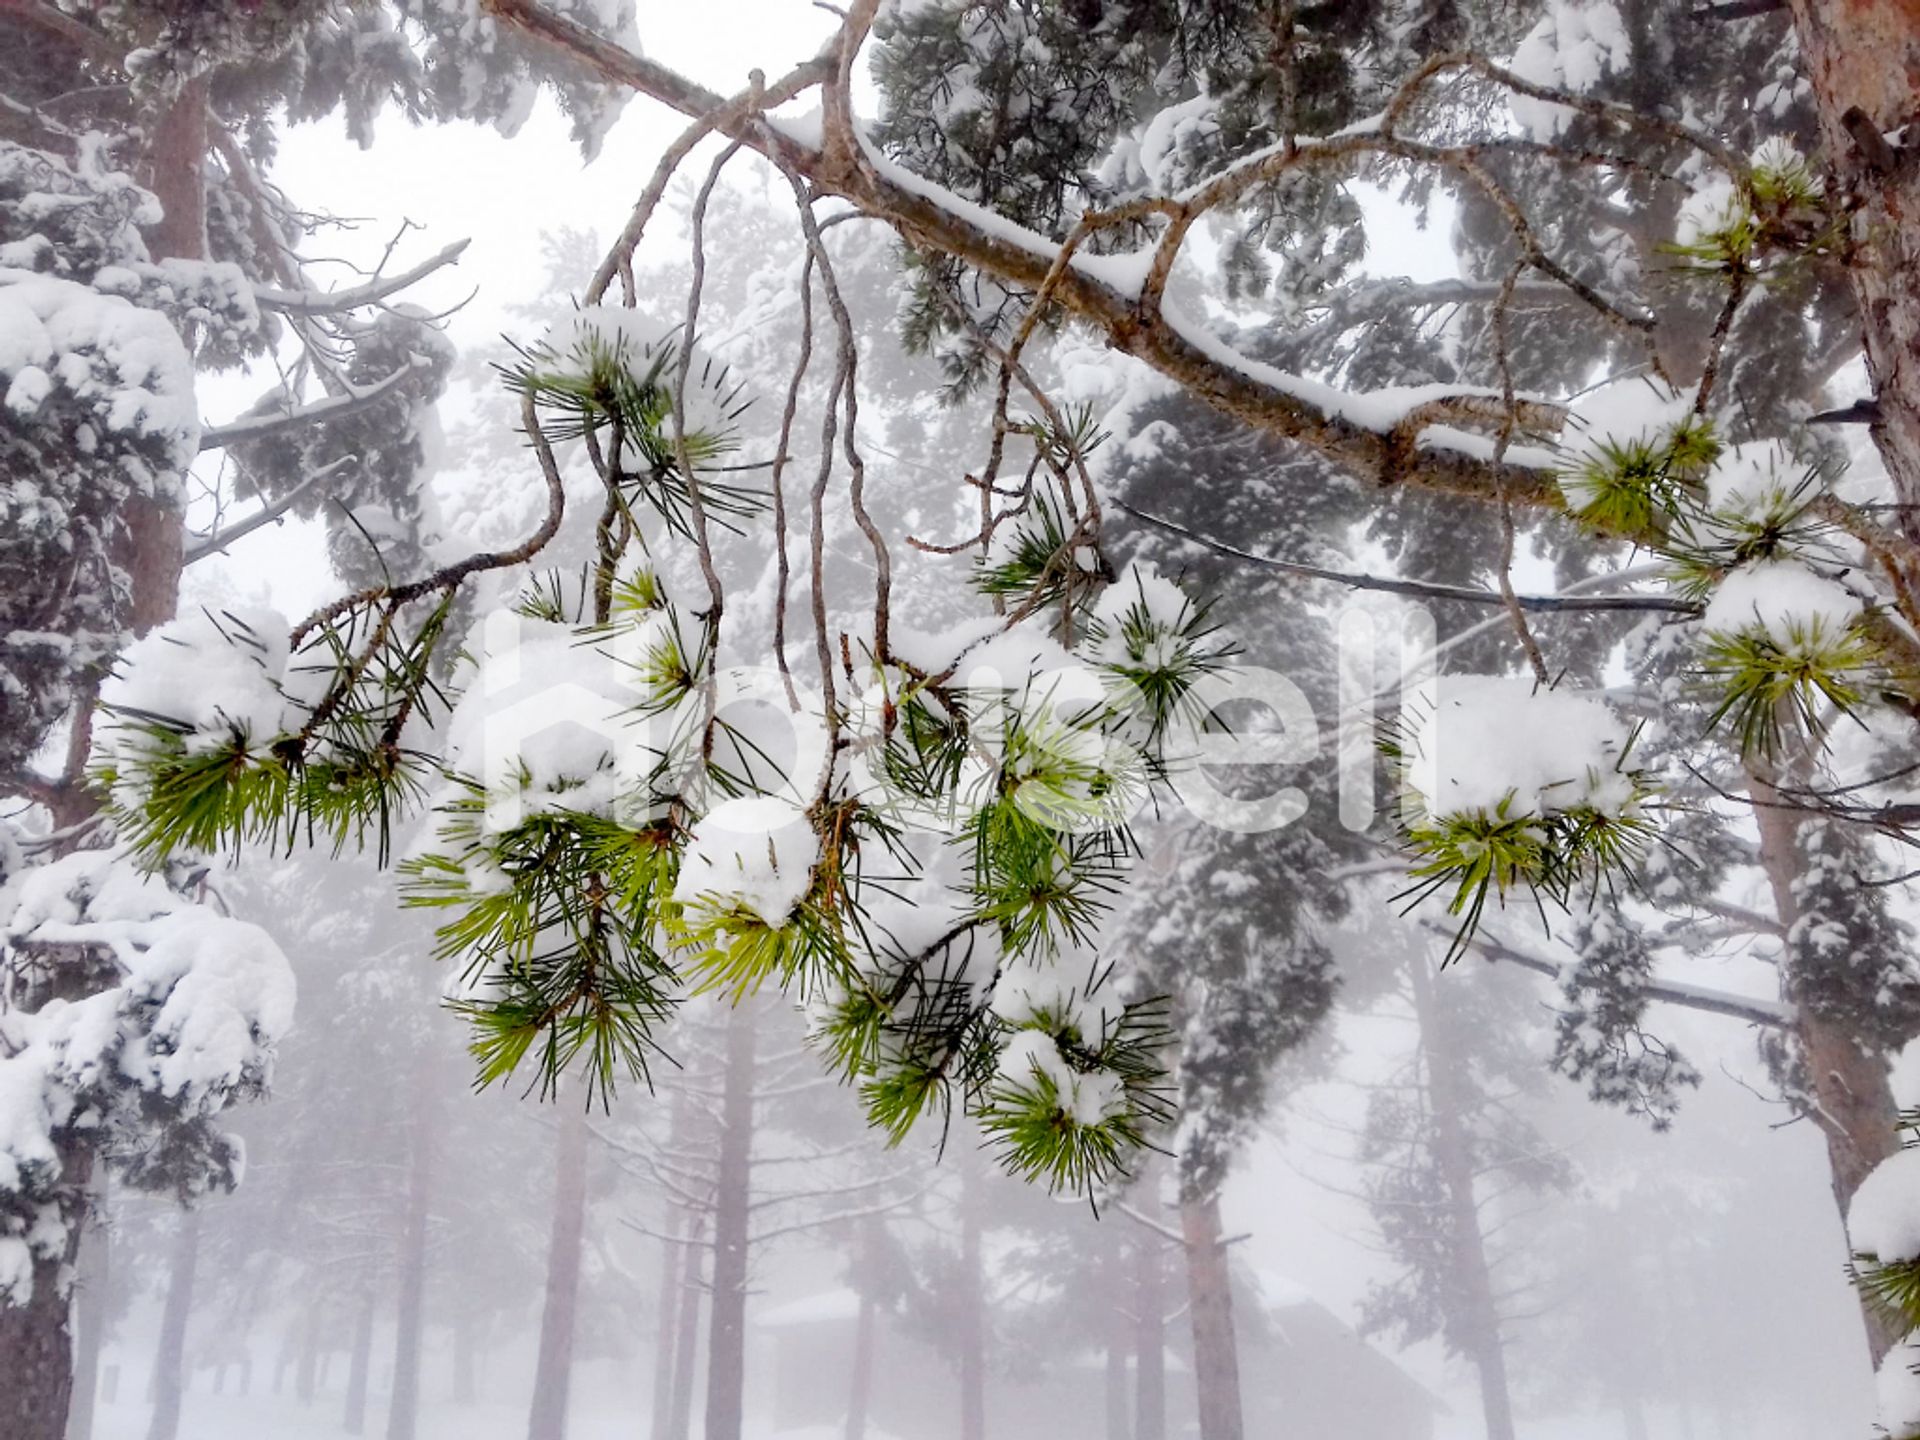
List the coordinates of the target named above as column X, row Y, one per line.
column 860, row 1390
column 1150, row 1331
column 403, row 1407
column 90, row 1310
column 727, row 1325
column 686, row 1329
column 1453, row 1154
column 354, row 1418
column 1216, row 1356
column 465, row 1390
column 1634, row 1413
column 307, row 1372
column 1149, row 1310
column 678, row 1228
column 1119, row 1348
column 664, row 1309
column 169, row 1355
column 547, row 1417
column 971, row 1302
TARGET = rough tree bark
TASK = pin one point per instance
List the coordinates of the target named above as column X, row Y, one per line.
column 727, row 1324
column 169, row 1358
column 1216, row 1356
column 403, row 1407
column 1480, row 1325
column 547, row 1417
column 1863, row 58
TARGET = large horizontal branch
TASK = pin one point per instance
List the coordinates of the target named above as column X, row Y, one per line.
column 1418, row 589
column 1773, row 1014
column 335, row 302
column 209, row 545
column 1404, row 436
column 334, row 407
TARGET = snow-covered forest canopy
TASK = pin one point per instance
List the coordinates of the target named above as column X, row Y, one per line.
column 959, row 719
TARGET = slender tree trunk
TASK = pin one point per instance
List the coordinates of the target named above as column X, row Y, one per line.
column 92, row 1304
column 1216, row 1358
column 170, row 1354
column 1149, row 1323
column 465, row 1389
column 678, row 1226
column 1119, row 1349
column 1453, row 1153
column 403, row 1408
column 727, row 1324
column 686, row 1345
column 307, row 1374
column 1863, row 57
column 1856, row 1114
column 665, row 1310
column 547, row 1418
column 971, row 1302
column 860, row 1390
column 354, row 1418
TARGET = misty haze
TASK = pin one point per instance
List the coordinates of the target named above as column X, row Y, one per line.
column 959, row 720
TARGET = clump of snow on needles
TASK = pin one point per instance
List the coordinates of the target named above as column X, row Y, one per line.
column 1484, row 742
column 1784, row 600
column 1574, row 45
column 1634, row 411
column 1751, row 478
column 219, row 673
column 1032, row 1058
column 1884, row 1218
column 756, row 853
column 1898, row 1388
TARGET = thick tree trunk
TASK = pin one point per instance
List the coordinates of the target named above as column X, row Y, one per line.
column 36, row 1345
column 1856, row 1114
column 1216, row 1357
column 403, row 1408
column 170, row 1354
column 1480, row 1325
column 92, row 1304
column 971, row 1302
column 727, row 1323
column 547, row 1417
column 360, row 1360
column 686, row 1345
column 1863, row 58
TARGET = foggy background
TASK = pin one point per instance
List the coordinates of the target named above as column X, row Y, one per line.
column 1653, row 1285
